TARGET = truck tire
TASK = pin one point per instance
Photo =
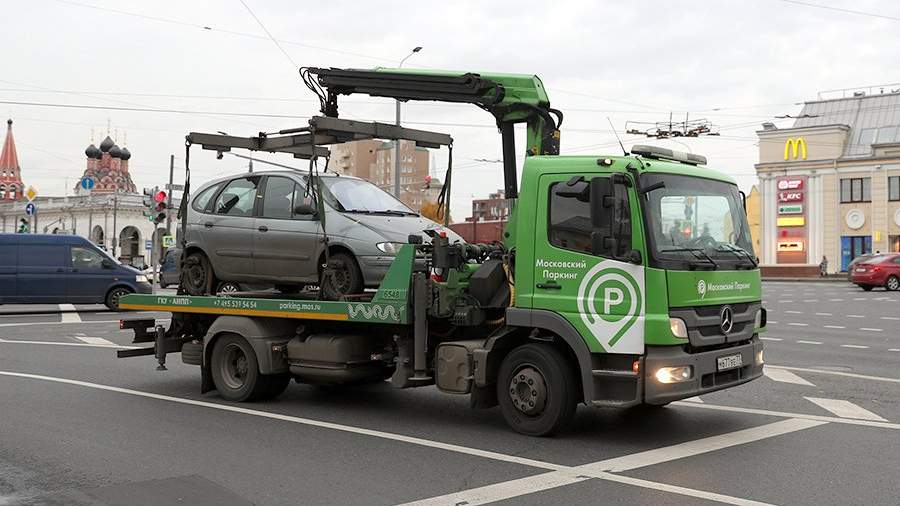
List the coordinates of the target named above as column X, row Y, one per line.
column 537, row 390
column 235, row 372
column 112, row 298
column 345, row 278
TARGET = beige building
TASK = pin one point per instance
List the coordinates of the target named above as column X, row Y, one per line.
column 830, row 184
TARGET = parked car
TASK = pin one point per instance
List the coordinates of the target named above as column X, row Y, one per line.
column 880, row 270
column 59, row 269
column 170, row 268
column 265, row 227
column 857, row 260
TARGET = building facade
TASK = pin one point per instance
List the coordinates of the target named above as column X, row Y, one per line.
column 488, row 220
column 830, row 184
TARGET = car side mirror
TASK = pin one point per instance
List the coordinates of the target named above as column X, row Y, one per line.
column 107, row 263
column 305, row 210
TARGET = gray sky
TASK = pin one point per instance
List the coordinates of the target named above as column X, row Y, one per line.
column 737, row 63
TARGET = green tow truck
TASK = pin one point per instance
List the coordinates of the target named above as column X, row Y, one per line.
column 622, row 280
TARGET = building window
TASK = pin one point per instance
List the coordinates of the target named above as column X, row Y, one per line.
column 856, row 190
column 894, row 188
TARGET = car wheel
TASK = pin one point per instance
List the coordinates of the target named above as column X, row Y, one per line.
column 112, row 298
column 341, row 277
column 537, row 390
column 196, row 275
column 228, row 288
column 893, row 283
column 867, row 288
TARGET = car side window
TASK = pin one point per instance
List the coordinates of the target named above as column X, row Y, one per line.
column 40, row 255
column 201, row 201
column 238, row 197
column 84, row 258
column 279, row 197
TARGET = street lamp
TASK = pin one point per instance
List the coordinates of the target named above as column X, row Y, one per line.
column 397, row 141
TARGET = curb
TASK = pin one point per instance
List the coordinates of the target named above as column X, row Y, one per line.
column 830, row 279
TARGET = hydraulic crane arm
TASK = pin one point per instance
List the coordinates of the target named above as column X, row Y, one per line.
column 510, row 98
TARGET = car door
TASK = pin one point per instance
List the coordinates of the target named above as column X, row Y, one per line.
column 88, row 280
column 8, row 268
column 286, row 244
column 601, row 296
column 43, row 271
column 227, row 233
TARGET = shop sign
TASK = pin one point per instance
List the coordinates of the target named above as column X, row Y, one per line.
column 790, row 221
column 794, row 148
column 790, row 246
column 790, row 184
column 790, row 209
column 790, row 196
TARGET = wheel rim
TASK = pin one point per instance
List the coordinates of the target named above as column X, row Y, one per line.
column 116, row 295
column 528, row 390
column 234, row 367
column 893, row 283
column 196, row 275
column 339, row 279
column 228, row 288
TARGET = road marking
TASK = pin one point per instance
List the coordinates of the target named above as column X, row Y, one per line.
column 799, row 324
column 845, row 409
column 68, row 314
column 836, row 300
column 890, row 318
column 800, row 341
column 693, row 399
column 834, row 327
column 823, row 314
column 771, row 338
column 86, row 345
column 82, row 322
column 94, row 340
column 811, row 300
column 779, row 428
column 794, row 312
column 859, row 298
column 855, row 346
column 855, row 316
column 835, row 373
column 893, row 349
column 784, row 414
column 783, row 376
column 785, row 301
column 871, row 329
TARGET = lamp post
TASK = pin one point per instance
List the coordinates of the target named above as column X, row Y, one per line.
column 397, row 142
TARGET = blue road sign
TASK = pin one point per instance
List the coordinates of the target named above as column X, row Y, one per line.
column 30, row 209
column 148, row 244
column 87, row 183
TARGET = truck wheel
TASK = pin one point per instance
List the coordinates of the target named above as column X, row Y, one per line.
column 112, row 298
column 344, row 279
column 196, row 274
column 893, row 283
column 537, row 390
column 235, row 370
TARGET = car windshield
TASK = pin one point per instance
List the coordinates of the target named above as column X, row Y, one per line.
column 360, row 196
column 695, row 222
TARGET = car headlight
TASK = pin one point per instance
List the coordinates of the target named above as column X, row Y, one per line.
column 674, row 374
column 678, row 328
column 391, row 248
column 140, row 278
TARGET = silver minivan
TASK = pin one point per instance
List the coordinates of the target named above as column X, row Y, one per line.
column 264, row 227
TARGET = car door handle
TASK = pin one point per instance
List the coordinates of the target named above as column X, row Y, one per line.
column 208, row 224
column 549, row 286
column 263, row 228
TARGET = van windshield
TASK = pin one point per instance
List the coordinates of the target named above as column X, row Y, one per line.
column 359, row 196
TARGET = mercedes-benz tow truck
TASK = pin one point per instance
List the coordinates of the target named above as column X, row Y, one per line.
column 621, row 280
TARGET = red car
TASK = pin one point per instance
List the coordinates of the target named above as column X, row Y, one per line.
column 880, row 270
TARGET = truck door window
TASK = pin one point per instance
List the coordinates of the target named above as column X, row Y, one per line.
column 570, row 220
column 279, row 197
column 83, row 258
column 238, row 197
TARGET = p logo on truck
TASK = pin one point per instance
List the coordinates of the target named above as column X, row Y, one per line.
column 611, row 301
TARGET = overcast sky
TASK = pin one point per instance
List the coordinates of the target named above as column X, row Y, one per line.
column 736, row 63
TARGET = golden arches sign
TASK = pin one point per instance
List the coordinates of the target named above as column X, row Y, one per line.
column 795, row 147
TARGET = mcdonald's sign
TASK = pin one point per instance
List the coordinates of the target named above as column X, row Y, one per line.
column 795, row 147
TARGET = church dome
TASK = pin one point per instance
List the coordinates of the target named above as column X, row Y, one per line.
column 92, row 151
column 115, row 151
column 107, row 144
column 125, row 154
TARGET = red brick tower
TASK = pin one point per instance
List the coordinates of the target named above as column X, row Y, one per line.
column 11, row 187
column 108, row 167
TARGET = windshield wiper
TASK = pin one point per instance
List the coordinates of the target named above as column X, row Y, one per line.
column 389, row 212
column 701, row 251
column 739, row 252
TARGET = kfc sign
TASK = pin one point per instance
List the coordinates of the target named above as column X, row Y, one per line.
column 790, row 196
column 790, row 184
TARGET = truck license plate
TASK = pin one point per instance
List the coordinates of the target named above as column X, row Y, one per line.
column 729, row 362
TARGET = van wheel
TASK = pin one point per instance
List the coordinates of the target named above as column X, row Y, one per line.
column 893, row 283
column 235, row 372
column 341, row 277
column 112, row 298
column 537, row 390
column 196, row 274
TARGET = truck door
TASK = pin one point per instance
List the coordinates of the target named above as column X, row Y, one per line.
column 286, row 244
column 585, row 269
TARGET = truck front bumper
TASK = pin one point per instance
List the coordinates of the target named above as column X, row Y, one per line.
column 705, row 378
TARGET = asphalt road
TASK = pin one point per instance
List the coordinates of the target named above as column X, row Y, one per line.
column 78, row 426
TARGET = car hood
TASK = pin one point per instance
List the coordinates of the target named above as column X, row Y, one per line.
column 399, row 228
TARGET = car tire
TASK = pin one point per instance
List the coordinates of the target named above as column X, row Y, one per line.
column 228, row 288
column 867, row 288
column 235, row 371
column 537, row 390
column 113, row 296
column 893, row 283
column 345, row 277
column 197, row 274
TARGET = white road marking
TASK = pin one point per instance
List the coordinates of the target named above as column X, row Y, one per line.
column 794, row 312
column 68, row 314
column 855, row 346
column 871, row 329
column 893, row 349
column 823, row 314
column 836, row 300
column 834, row 327
column 771, row 338
column 785, row 301
column 799, row 324
column 835, row 373
column 855, row 316
column 783, row 414
column 811, row 300
column 772, row 321
column 94, row 340
column 83, row 322
column 890, row 318
column 783, row 376
column 693, row 399
column 86, row 345
column 800, row 341
column 845, row 409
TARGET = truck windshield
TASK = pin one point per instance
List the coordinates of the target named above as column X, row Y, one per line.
column 359, row 196
column 696, row 223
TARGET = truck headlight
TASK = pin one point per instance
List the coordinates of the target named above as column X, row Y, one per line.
column 140, row 278
column 678, row 328
column 391, row 248
column 759, row 358
column 674, row 374
column 760, row 320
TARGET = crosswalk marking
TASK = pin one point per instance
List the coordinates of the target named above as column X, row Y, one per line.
column 68, row 314
column 845, row 409
column 785, row 376
column 95, row 340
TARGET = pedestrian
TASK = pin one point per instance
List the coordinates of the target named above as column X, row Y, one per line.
column 823, row 266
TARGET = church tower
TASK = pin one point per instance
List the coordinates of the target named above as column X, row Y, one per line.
column 11, row 187
column 108, row 167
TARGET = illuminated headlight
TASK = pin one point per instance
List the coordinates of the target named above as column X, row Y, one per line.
column 678, row 328
column 140, row 278
column 759, row 358
column 391, row 248
column 760, row 320
column 674, row 374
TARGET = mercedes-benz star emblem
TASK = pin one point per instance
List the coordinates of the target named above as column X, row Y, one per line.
column 727, row 316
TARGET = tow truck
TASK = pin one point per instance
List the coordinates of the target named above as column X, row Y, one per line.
column 621, row 280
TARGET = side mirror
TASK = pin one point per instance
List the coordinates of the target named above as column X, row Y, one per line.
column 305, row 210
column 107, row 263
column 602, row 206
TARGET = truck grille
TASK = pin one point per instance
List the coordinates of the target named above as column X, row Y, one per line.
column 704, row 323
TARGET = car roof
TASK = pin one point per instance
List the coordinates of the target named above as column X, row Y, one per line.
column 8, row 238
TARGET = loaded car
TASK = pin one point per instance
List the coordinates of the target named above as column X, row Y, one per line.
column 880, row 270
column 265, row 227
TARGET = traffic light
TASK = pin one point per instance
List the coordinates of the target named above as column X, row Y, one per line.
column 24, row 227
column 155, row 201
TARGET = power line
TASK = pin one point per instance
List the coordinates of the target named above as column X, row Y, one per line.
column 273, row 39
column 839, row 9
